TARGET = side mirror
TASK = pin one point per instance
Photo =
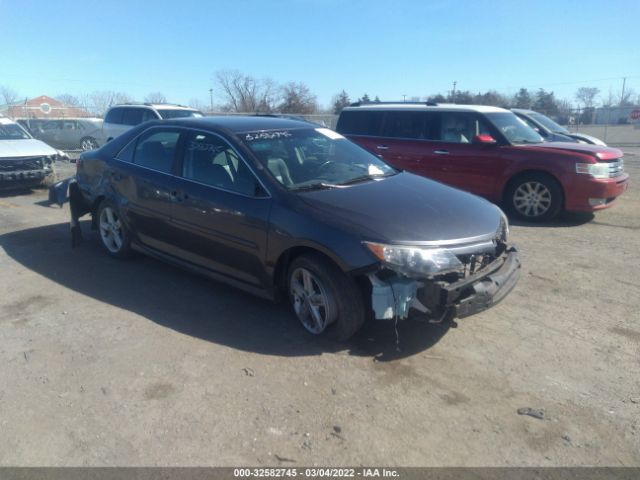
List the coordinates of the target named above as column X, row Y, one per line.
column 484, row 139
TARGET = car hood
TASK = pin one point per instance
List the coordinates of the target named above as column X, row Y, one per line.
column 405, row 209
column 24, row 148
column 587, row 138
column 603, row 153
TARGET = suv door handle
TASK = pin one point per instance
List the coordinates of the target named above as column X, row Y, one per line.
column 382, row 147
column 441, row 152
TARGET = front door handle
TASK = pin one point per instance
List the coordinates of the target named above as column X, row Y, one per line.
column 179, row 196
column 441, row 152
column 382, row 147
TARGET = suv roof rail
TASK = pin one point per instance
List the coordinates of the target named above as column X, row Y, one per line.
column 427, row 103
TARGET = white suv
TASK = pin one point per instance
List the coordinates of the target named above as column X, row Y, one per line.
column 121, row 118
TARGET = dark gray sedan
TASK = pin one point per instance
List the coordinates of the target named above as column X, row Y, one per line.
column 287, row 209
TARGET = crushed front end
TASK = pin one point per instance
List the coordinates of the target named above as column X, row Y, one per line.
column 25, row 171
column 448, row 279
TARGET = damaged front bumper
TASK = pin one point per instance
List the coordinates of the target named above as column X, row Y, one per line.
column 394, row 296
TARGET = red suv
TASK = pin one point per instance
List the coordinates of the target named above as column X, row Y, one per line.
column 490, row 152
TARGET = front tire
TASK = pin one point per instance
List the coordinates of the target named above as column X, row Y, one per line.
column 534, row 197
column 326, row 300
column 113, row 234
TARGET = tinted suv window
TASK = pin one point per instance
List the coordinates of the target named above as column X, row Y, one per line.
column 114, row 115
column 413, row 125
column 133, row 116
column 210, row 160
column 461, row 127
column 156, row 150
column 360, row 122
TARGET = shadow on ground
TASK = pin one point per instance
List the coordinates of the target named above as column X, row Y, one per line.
column 196, row 306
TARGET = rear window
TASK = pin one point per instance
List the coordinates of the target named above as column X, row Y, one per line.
column 360, row 122
column 165, row 113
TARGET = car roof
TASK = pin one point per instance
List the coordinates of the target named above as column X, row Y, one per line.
column 157, row 106
column 239, row 123
column 523, row 110
column 441, row 107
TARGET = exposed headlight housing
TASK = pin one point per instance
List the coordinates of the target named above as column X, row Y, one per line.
column 596, row 170
column 415, row 260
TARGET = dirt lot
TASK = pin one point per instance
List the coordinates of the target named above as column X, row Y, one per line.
column 139, row 363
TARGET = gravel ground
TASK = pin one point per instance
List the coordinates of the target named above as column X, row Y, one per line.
column 139, row 363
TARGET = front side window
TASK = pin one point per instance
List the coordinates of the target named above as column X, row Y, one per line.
column 156, row 150
column 209, row 160
column 314, row 158
column 461, row 127
column 514, row 128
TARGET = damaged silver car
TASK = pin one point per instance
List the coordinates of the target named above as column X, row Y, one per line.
column 24, row 161
column 284, row 209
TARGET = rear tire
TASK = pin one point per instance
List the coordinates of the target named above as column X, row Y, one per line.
column 89, row 143
column 327, row 301
column 114, row 236
column 534, row 197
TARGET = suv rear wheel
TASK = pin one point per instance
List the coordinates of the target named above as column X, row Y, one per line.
column 534, row 197
column 325, row 300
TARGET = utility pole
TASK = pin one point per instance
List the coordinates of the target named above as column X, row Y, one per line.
column 404, row 97
column 453, row 92
column 624, row 83
column 211, row 99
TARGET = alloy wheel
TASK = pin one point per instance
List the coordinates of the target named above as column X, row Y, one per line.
column 310, row 300
column 111, row 230
column 88, row 144
column 532, row 199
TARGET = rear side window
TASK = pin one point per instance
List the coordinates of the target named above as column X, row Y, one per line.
column 156, row 150
column 133, row 116
column 114, row 115
column 460, row 127
column 360, row 122
column 412, row 125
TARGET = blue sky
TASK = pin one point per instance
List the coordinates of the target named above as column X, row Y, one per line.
column 384, row 48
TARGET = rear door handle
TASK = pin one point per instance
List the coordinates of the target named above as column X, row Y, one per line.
column 382, row 147
column 179, row 196
column 441, row 152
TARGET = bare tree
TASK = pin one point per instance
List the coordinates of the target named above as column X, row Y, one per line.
column 244, row 93
column 199, row 104
column 587, row 96
column 69, row 99
column 8, row 95
column 625, row 97
column 297, row 98
column 155, row 97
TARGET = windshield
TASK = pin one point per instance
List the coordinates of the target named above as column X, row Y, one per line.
column 314, row 158
column 179, row 113
column 12, row 132
column 547, row 122
column 515, row 129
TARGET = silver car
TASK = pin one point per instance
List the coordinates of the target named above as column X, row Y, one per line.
column 69, row 133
